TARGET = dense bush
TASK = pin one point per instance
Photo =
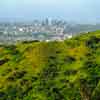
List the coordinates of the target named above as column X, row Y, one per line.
column 65, row 70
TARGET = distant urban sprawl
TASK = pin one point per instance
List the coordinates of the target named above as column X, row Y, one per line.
column 44, row 30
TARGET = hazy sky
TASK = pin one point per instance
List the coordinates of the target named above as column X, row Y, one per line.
column 71, row 10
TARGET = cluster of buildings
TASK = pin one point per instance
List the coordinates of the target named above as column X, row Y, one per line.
column 44, row 30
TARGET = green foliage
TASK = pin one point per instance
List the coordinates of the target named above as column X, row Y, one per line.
column 66, row 70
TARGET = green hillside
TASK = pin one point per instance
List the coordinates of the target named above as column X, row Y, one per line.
column 67, row 70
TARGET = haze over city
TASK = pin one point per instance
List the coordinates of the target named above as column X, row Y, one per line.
column 81, row 11
column 49, row 49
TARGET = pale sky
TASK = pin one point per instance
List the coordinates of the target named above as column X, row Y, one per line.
column 71, row 10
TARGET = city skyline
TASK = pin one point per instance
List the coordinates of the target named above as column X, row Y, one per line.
column 82, row 11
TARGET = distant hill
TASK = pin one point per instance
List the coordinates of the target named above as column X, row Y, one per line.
column 78, row 28
column 66, row 70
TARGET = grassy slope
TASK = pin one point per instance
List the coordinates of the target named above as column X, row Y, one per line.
column 68, row 70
